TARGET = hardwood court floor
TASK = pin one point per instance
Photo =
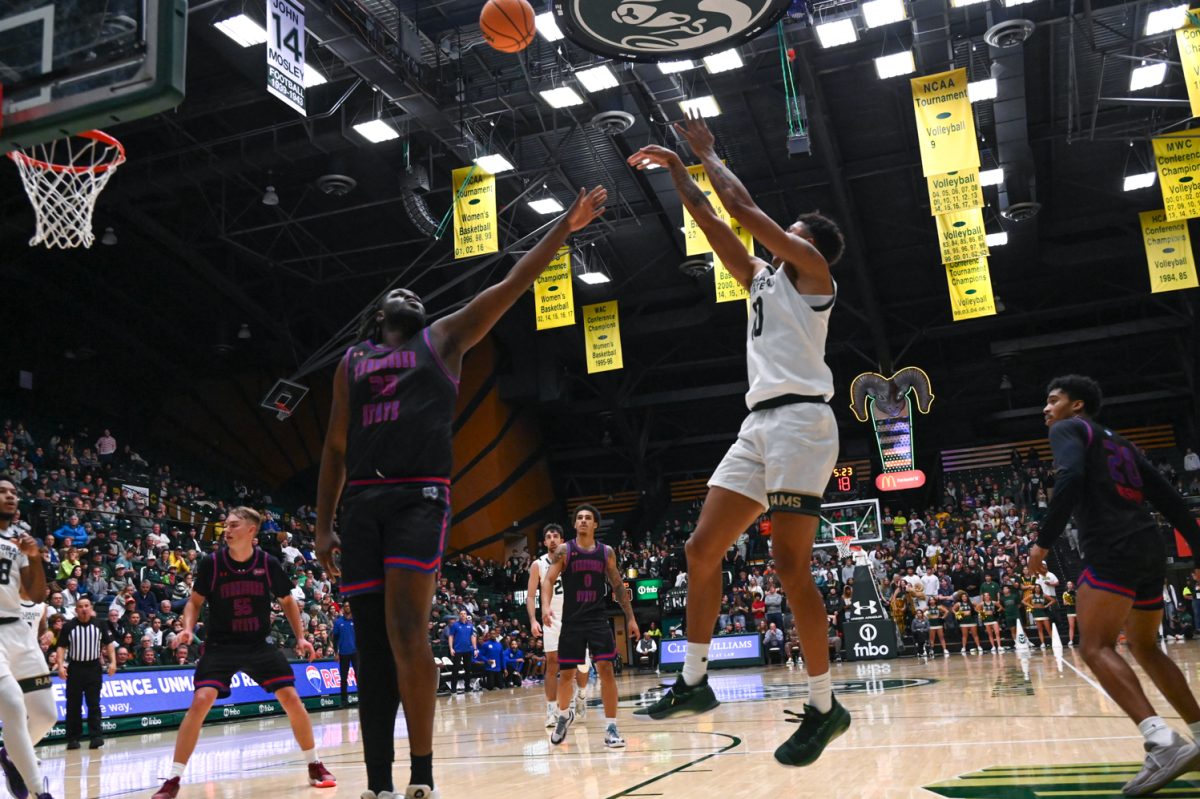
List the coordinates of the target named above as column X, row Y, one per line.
column 975, row 726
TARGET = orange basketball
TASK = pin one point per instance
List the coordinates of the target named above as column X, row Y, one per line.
column 507, row 25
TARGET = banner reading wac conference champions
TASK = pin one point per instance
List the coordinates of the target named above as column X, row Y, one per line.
column 553, row 297
column 602, row 337
column 475, row 228
column 1168, row 252
column 945, row 124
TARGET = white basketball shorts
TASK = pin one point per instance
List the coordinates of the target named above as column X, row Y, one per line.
column 20, row 656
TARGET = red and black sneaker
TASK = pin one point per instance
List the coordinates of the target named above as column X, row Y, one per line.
column 318, row 776
column 169, row 789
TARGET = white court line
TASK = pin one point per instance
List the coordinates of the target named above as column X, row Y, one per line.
column 1088, row 679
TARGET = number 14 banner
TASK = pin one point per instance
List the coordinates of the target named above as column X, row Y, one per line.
column 285, row 52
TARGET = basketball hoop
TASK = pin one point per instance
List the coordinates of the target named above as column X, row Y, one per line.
column 63, row 178
column 846, row 549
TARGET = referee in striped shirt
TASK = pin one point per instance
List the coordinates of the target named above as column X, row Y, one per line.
column 80, row 643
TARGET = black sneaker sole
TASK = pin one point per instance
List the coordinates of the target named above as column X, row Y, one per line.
column 678, row 710
column 838, row 728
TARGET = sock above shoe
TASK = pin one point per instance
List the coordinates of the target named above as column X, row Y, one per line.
column 1155, row 731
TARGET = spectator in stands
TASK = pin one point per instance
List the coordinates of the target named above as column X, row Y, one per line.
column 773, row 644
column 147, row 657
column 106, row 448
column 514, row 664
column 646, row 651
column 97, row 586
column 68, row 563
column 123, row 659
column 491, row 653
column 70, row 596
column 1191, row 461
column 73, row 531
column 145, row 599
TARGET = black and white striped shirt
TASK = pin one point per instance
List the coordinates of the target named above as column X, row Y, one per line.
column 83, row 642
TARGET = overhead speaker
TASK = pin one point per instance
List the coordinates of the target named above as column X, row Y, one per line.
column 336, row 185
column 1010, row 33
column 417, row 211
column 612, row 123
column 1021, row 212
column 695, row 267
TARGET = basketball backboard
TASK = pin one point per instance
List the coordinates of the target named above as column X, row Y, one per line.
column 859, row 519
column 73, row 65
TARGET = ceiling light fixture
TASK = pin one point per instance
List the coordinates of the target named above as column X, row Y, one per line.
column 895, row 65
column 964, row 3
column 1147, row 75
column 312, row 77
column 109, row 238
column 1143, row 181
column 1011, row 3
column 723, row 62
column 547, row 27
column 991, row 177
column 704, row 106
column 244, row 331
column 671, row 67
column 1166, row 19
column 997, row 239
column 836, row 33
column 597, row 79
column 546, row 206
column 561, row 97
column 878, row 13
column 270, row 197
column 985, row 89
column 242, row 30
column 376, row 131
column 494, row 164
column 594, row 278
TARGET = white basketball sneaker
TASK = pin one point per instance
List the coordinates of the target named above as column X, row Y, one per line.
column 421, row 792
column 612, row 738
column 1163, row 764
column 580, row 704
column 551, row 715
column 380, row 795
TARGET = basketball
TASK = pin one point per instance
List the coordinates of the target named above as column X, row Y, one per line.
column 507, row 25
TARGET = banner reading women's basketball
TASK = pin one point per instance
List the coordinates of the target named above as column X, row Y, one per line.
column 553, row 297
column 1177, row 158
column 602, row 337
column 475, row 228
column 962, row 235
column 970, row 289
column 1188, row 39
column 954, row 191
column 728, row 289
column 945, row 124
column 1168, row 252
column 695, row 240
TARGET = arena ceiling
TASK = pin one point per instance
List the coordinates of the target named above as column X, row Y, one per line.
column 198, row 255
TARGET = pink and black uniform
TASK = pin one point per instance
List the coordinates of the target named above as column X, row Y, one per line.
column 396, row 508
column 1106, row 481
column 238, row 597
column 585, row 624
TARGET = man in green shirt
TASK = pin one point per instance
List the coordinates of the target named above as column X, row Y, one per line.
column 990, row 586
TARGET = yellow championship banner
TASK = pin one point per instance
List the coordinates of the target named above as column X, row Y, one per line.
column 1177, row 158
column 1168, row 252
column 945, row 124
column 553, row 297
column 970, row 289
column 1188, row 39
column 602, row 337
column 693, row 236
column 728, row 289
column 954, row 191
column 962, row 235
column 475, row 228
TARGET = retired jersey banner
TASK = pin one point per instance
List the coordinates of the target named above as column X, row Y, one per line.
column 728, row 289
column 1177, row 158
column 1188, row 39
column 945, row 123
column 954, row 191
column 962, row 235
column 970, row 289
column 553, row 297
column 1168, row 252
column 602, row 337
column 475, row 228
column 697, row 242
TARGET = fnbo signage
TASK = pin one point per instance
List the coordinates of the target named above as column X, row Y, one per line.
column 646, row 590
column 664, row 30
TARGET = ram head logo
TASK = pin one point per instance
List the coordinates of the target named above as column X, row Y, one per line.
column 670, row 24
column 890, row 393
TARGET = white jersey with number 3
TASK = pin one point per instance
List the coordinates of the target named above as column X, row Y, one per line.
column 12, row 560
column 785, row 342
column 556, row 603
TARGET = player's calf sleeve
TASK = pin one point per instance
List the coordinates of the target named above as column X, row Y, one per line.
column 17, row 739
column 378, row 690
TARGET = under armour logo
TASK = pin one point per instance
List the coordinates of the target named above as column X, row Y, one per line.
column 384, row 385
column 430, row 492
column 869, row 609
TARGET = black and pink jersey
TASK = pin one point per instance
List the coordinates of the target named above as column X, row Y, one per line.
column 401, row 413
column 239, row 596
column 585, row 584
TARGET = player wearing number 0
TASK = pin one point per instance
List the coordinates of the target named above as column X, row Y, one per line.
column 26, row 702
column 552, row 535
column 389, row 445
column 239, row 581
column 788, row 444
column 1105, row 481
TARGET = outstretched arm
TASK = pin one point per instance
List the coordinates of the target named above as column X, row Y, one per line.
column 460, row 331
column 725, row 243
column 620, row 592
column 813, row 273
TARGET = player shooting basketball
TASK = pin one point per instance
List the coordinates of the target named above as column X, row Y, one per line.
column 788, row 443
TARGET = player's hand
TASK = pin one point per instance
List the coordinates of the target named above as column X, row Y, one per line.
column 184, row 638
column 62, row 672
column 304, row 649
column 27, row 544
column 548, row 616
column 535, row 629
column 1037, row 560
column 695, row 131
column 328, row 551
column 112, row 668
column 634, row 632
column 587, row 206
column 654, row 155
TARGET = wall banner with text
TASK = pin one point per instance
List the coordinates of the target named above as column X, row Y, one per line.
column 1177, row 158
column 727, row 288
column 553, row 297
column 1168, row 252
column 954, row 191
column 476, row 231
column 945, row 123
column 602, row 337
column 962, row 235
column 970, row 289
column 694, row 238
column 1188, row 39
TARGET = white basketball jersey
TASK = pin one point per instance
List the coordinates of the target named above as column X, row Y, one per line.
column 31, row 613
column 12, row 560
column 556, row 604
column 785, row 342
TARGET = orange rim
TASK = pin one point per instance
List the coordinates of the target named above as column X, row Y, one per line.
column 97, row 135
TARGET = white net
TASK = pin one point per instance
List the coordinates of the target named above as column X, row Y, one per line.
column 63, row 178
column 847, row 549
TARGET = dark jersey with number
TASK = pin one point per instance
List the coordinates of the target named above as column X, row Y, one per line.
column 585, row 584
column 1106, row 481
column 401, row 412
column 239, row 596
